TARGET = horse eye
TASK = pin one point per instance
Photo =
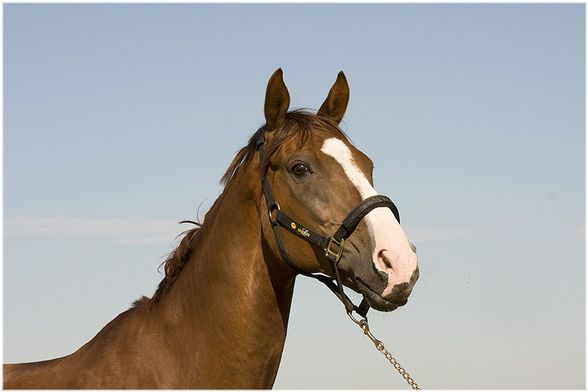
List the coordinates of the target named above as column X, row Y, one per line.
column 300, row 169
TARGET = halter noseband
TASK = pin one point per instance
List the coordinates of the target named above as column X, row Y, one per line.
column 333, row 246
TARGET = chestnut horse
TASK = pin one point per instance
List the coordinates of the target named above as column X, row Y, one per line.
column 218, row 319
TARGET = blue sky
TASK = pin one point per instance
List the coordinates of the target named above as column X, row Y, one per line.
column 120, row 119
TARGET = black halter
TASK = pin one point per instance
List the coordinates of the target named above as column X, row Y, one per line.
column 333, row 246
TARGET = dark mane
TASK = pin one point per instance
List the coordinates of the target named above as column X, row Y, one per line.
column 173, row 265
column 299, row 124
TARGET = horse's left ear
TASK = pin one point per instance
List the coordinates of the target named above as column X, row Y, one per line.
column 336, row 102
column 277, row 101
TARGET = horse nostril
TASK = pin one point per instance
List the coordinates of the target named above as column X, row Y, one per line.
column 386, row 260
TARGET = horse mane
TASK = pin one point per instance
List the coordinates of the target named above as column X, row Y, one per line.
column 173, row 265
column 299, row 124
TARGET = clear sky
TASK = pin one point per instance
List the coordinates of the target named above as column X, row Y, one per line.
column 119, row 120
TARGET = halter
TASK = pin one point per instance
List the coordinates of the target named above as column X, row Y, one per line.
column 332, row 246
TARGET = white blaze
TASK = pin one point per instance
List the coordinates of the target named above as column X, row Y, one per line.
column 388, row 239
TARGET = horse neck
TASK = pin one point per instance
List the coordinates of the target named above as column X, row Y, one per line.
column 230, row 304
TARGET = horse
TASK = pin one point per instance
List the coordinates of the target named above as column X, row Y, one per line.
column 219, row 317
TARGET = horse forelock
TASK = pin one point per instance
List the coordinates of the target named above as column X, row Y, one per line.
column 299, row 125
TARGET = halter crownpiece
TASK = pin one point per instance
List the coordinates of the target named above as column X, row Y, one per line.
column 332, row 246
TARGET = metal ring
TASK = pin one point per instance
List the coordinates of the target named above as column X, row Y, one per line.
column 355, row 320
column 272, row 207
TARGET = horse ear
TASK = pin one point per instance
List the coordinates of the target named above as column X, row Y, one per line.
column 277, row 100
column 336, row 102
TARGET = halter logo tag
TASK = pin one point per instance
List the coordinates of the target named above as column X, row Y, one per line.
column 303, row 231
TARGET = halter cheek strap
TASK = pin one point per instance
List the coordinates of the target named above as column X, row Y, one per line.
column 332, row 246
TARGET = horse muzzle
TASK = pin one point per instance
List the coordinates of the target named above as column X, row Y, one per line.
column 374, row 287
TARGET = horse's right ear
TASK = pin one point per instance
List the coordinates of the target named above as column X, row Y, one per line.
column 277, row 101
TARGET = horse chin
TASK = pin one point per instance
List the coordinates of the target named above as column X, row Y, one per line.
column 375, row 300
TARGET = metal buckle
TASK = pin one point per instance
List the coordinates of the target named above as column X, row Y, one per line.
column 335, row 254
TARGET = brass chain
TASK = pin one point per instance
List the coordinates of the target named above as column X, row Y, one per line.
column 363, row 324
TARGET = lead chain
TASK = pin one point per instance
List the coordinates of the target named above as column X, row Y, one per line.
column 400, row 369
column 363, row 324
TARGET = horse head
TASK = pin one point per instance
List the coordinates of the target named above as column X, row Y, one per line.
column 317, row 177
